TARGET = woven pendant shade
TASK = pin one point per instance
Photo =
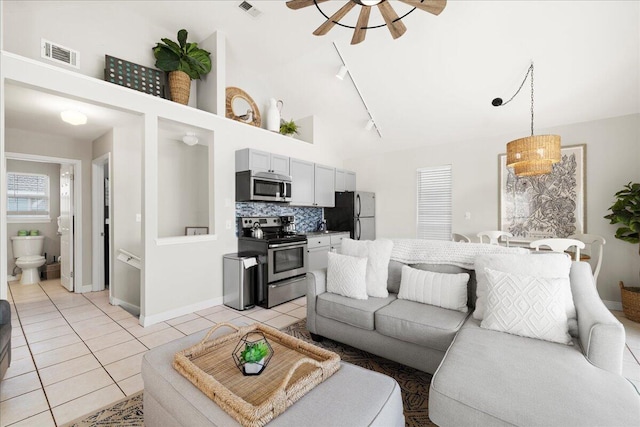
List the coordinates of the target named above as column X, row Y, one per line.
column 533, row 155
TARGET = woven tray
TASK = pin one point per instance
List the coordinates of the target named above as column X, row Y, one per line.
column 295, row 368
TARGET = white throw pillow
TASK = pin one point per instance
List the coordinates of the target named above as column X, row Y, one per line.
column 552, row 265
column 346, row 276
column 527, row 306
column 378, row 252
column 439, row 289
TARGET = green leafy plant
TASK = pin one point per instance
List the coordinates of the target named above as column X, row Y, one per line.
column 254, row 352
column 182, row 56
column 626, row 212
column 289, row 128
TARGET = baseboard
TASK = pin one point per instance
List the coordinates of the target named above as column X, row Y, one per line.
column 613, row 305
column 84, row 289
column 133, row 309
column 170, row 314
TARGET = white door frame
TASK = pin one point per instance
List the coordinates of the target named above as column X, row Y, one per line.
column 97, row 195
column 77, row 202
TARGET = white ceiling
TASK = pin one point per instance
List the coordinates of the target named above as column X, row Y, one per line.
column 434, row 84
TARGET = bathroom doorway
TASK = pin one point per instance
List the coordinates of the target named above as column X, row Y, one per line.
column 101, row 197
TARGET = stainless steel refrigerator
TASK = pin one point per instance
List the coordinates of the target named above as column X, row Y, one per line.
column 354, row 212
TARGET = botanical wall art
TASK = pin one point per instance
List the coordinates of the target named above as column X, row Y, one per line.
column 544, row 206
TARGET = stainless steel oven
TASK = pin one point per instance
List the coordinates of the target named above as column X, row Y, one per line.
column 286, row 260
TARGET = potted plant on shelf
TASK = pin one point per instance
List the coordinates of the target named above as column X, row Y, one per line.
column 626, row 212
column 184, row 62
column 289, row 128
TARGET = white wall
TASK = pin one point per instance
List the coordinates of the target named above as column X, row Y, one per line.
column 613, row 147
column 48, row 229
column 24, row 141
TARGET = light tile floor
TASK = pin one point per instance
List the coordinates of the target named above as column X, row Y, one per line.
column 74, row 353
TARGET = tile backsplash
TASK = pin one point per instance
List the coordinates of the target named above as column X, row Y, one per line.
column 307, row 219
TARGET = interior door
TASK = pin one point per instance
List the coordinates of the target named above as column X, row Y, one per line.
column 65, row 226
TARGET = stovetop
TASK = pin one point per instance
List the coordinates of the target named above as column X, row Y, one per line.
column 272, row 230
column 277, row 237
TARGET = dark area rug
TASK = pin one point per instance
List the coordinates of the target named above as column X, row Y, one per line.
column 414, row 384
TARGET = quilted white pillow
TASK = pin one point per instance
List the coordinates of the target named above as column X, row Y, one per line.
column 378, row 252
column 346, row 276
column 440, row 289
column 527, row 306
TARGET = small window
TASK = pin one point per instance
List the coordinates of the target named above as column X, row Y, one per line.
column 27, row 197
column 434, row 203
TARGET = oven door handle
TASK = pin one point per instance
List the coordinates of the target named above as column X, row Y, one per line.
column 286, row 245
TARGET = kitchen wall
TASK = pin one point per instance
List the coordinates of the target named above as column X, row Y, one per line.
column 48, row 229
column 613, row 149
column 27, row 142
column 307, row 219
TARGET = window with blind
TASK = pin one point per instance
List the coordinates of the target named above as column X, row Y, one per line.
column 27, row 196
column 434, row 203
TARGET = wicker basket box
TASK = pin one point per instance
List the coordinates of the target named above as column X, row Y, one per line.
column 630, row 302
column 296, row 367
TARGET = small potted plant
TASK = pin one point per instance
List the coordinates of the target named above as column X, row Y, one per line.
column 289, row 128
column 184, row 62
column 626, row 212
column 252, row 354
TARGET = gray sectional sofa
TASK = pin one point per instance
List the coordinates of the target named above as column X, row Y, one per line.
column 483, row 377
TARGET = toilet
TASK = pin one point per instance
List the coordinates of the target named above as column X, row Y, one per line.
column 28, row 253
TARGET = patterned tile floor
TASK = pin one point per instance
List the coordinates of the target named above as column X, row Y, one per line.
column 74, row 353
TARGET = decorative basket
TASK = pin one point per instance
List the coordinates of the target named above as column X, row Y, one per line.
column 179, row 86
column 630, row 302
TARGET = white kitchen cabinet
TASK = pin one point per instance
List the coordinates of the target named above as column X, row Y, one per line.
column 318, row 246
column 349, row 181
column 324, row 186
column 312, row 184
column 261, row 161
column 336, row 242
column 340, row 180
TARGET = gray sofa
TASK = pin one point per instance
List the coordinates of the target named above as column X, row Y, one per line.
column 5, row 336
column 483, row 377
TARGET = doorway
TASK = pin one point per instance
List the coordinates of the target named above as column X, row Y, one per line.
column 101, row 206
column 69, row 223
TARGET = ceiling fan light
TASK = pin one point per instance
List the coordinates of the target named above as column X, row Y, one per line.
column 342, row 72
column 73, row 117
column 369, row 2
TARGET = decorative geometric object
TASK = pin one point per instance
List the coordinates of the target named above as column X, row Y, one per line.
column 252, row 344
column 134, row 76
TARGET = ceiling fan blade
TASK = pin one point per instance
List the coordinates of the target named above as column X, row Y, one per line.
column 299, row 4
column 363, row 20
column 432, row 6
column 395, row 28
column 329, row 23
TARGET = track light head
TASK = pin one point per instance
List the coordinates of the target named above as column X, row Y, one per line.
column 342, row 72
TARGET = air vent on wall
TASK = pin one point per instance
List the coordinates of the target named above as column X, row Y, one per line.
column 60, row 54
column 250, row 9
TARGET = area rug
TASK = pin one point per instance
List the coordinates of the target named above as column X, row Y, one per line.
column 414, row 385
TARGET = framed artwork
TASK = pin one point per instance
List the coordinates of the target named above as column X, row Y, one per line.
column 544, row 206
column 196, row 231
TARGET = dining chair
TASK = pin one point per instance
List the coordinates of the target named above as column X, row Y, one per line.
column 456, row 237
column 558, row 245
column 595, row 249
column 494, row 236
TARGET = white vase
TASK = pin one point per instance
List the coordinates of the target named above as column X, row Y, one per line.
column 273, row 116
column 253, row 368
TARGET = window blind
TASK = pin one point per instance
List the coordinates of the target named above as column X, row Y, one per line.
column 27, row 194
column 434, row 203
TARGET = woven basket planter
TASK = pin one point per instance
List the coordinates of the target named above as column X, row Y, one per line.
column 630, row 302
column 179, row 86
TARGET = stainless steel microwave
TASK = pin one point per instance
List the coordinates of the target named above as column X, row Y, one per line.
column 252, row 186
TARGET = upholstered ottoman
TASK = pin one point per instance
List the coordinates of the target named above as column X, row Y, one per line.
column 353, row 396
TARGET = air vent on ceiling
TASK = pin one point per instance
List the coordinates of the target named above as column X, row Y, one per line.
column 250, row 9
column 57, row 53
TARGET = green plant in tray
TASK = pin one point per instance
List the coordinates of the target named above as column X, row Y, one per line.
column 254, row 352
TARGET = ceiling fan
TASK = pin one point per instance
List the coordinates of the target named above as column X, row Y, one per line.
column 391, row 18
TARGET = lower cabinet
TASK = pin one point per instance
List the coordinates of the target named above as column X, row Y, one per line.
column 319, row 246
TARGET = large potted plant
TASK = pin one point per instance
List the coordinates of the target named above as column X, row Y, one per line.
column 184, row 62
column 626, row 212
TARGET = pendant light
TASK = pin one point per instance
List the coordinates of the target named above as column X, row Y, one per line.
column 532, row 155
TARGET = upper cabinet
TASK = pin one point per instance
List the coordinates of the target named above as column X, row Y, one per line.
column 312, row 184
column 261, row 161
column 345, row 180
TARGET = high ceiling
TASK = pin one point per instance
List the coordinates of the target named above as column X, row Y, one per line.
column 433, row 85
